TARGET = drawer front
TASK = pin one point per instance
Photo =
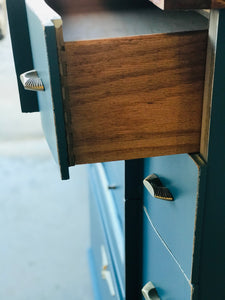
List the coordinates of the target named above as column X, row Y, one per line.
column 109, row 215
column 115, row 173
column 18, row 24
column 43, row 38
column 160, row 268
column 104, row 274
column 176, row 220
column 41, row 27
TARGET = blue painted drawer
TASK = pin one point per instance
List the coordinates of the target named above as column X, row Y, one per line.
column 113, row 229
column 177, row 221
column 115, row 173
column 104, row 273
column 161, row 269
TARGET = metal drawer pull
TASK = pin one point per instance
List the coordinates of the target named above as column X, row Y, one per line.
column 149, row 292
column 112, row 187
column 156, row 188
column 106, row 274
column 31, row 81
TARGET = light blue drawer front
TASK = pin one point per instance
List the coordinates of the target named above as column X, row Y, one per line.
column 115, row 173
column 45, row 59
column 160, row 268
column 175, row 220
column 113, row 229
column 104, row 275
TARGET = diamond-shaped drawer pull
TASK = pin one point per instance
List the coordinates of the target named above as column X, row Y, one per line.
column 31, row 81
column 156, row 188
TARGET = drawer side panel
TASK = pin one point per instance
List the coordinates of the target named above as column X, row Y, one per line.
column 113, row 82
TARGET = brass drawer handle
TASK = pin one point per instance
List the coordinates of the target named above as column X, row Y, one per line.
column 149, row 292
column 31, row 81
column 156, row 188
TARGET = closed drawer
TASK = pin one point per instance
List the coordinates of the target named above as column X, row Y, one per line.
column 178, row 222
column 104, row 276
column 122, row 86
column 115, row 173
column 160, row 268
column 110, row 219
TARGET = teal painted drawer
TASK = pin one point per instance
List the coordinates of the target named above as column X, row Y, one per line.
column 178, row 221
column 115, row 173
column 110, row 219
column 160, row 267
column 104, row 277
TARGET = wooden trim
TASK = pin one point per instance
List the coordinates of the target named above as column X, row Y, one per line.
column 85, row 6
column 136, row 97
column 81, row 6
column 189, row 4
column 209, row 78
column 218, row 4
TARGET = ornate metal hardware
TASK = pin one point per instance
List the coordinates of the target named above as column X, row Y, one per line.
column 149, row 292
column 156, row 188
column 31, row 81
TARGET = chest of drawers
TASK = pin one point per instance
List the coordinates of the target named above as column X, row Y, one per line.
column 135, row 86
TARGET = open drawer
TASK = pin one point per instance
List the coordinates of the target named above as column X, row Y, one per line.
column 122, row 84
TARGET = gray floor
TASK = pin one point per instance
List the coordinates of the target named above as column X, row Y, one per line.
column 44, row 227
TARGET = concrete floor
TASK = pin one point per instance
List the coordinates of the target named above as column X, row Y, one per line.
column 44, row 223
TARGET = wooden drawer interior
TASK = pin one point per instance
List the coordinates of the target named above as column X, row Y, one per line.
column 134, row 83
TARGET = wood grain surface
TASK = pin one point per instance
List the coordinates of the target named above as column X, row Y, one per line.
column 137, row 96
column 188, row 4
column 218, row 4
